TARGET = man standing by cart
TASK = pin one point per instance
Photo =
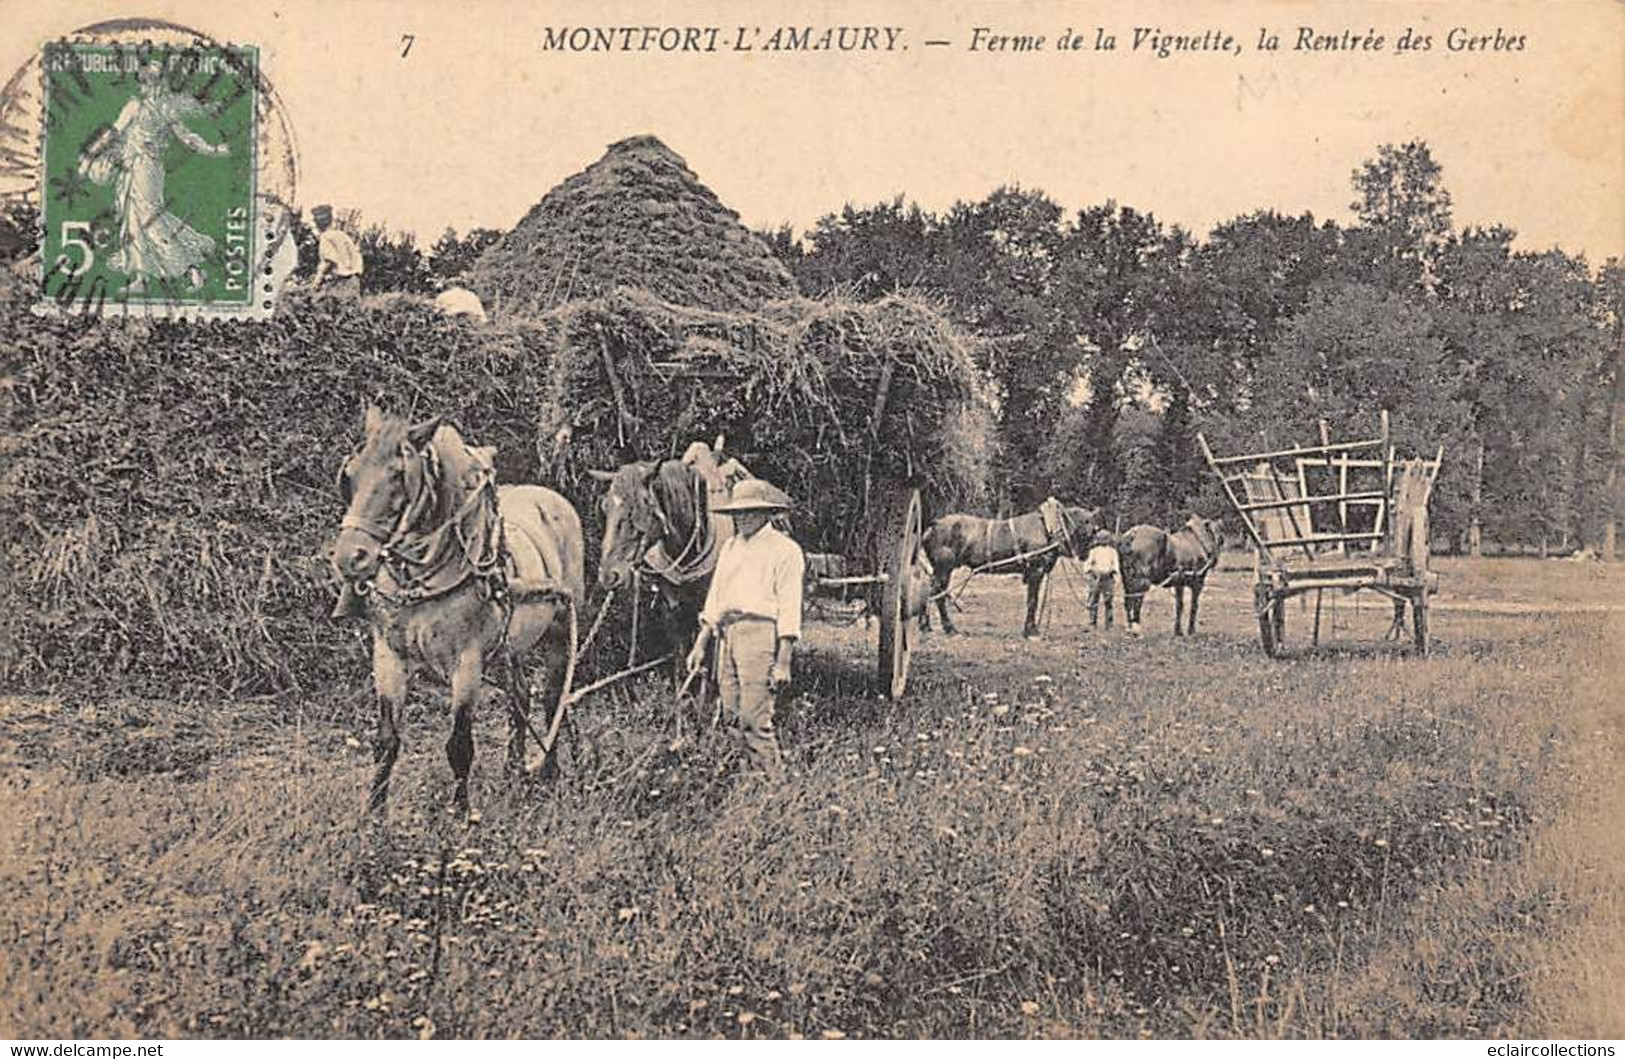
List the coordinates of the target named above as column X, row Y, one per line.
column 1102, row 568
column 753, row 611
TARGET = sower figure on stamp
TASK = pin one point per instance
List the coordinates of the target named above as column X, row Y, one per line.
column 753, row 611
column 1102, row 568
column 339, row 263
column 153, row 243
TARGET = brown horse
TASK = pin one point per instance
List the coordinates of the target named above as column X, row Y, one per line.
column 658, row 524
column 1180, row 560
column 1028, row 545
column 456, row 572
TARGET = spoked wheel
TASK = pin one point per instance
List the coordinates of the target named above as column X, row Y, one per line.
column 1419, row 620
column 899, row 552
column 1271, row 619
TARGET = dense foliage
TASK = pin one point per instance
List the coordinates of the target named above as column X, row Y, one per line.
column 1114, row 338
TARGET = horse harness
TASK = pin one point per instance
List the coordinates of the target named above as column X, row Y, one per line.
column 427, row 564
column 1057, row 534
column 696, row 559
column 1185, row 578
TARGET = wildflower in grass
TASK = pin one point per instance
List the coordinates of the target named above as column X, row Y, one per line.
column 1022, row 751
column 1029, row 1008
column 745, row 1018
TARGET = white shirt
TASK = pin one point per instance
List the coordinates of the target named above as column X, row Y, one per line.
column 339, row 250
column 1102, row 560
column 759, row 576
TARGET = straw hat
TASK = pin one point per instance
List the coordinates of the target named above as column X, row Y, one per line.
column 753, row 494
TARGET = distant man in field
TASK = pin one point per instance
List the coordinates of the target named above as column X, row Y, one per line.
column 753, row 611
column 338, row 258
column 1102, row 567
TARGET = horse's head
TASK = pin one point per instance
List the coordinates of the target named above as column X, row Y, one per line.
column 385, row 485
column 1210, row 531
column 1081, row 524
column 633, row 521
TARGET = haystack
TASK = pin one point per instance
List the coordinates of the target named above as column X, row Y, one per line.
column 638, row 217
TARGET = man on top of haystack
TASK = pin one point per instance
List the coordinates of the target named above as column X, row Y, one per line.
column 337, row 255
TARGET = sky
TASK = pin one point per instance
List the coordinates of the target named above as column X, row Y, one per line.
column 479, row 118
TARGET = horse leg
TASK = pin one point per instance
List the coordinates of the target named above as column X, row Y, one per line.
column 550, row 683
column 518, row 711
column 1196, row 594
column 1179, row 609
column 389, row 679
column 1396, row 628
column 465, row 689
column 939, row 589
column 1035, row 587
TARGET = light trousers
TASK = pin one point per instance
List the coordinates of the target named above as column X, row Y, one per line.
column 744, row 659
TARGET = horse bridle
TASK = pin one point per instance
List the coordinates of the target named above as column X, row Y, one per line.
column 656, row 532
column 413, row 572
column 426, row 465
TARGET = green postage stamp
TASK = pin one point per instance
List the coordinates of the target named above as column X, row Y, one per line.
column 148, row 193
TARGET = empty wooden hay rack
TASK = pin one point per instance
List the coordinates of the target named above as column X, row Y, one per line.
column 1344, row 515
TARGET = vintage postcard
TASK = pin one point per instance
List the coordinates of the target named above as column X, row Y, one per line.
column 775, row 521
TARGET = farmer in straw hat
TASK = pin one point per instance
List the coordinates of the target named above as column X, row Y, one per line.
column 1102, row 568
column 753, row 610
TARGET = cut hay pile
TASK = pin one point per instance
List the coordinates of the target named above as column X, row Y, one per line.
column 841, row 403
column 167, row 489
column 638, row 217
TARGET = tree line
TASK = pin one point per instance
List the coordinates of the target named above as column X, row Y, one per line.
column 1114, row 339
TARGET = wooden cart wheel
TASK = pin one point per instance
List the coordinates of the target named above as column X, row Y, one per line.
column 1271, row 619
column 1419, row 619
column 898, row 552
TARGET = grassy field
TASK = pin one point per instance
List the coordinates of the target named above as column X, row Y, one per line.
column 1086, row 835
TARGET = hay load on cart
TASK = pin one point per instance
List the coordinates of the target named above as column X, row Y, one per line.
column 669, row 322
column 869, row 414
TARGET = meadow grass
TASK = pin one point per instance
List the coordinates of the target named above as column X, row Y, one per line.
column 1090, row 835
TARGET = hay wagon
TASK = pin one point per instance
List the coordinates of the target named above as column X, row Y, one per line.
column 863, row 544
column 868, row 414
column 1340, row 515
